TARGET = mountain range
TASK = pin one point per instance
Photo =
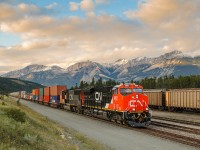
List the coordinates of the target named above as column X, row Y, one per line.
column 173, row 63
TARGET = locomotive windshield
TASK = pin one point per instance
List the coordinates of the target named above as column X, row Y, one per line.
column 125, row 91
column 138, row 90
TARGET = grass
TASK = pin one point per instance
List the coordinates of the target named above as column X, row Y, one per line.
column 24, row 129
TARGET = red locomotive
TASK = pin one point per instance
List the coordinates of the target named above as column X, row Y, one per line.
column 125, row 103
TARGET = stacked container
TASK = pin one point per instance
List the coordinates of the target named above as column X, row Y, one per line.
column 22, row 94
column 41, row 94
column 29, row 96
column 33, row 94
column 37, row 94
column 46, row 95
column 55, row 93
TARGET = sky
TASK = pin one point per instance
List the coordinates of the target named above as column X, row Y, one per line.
column 65, row 32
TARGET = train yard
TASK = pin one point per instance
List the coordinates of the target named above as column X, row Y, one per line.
column 117, row 136
column 127, row 106
column 181, row 131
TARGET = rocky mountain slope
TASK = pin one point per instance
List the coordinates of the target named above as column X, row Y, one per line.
column 173, row 63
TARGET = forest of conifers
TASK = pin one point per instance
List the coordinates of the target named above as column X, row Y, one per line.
column 167, row 82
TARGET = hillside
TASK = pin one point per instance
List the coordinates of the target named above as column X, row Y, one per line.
column 8, row 85
column 24, row 129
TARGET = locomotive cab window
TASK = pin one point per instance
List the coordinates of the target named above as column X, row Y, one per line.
column 115, row 91
column 125, row 91
column 138, row 90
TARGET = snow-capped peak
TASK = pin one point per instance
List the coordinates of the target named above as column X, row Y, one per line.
column 172, row 54
column 120, row 62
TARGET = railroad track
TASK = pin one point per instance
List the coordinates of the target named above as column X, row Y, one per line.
column 177, row 121
column 175, row 137
column 159, row 133
column 155, row 132
column 176, row 127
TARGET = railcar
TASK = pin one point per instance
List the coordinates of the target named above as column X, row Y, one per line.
column 183, row 99
column 156, row 98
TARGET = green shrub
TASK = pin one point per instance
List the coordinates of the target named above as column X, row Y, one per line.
column 16, row 114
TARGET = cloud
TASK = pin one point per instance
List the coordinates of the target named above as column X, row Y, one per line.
column 90, row 14
column 84, row 5
column 73, row 6
column 177, row 20
column 7, row 12
column 15, row 12
column 102, row 1
column 131, row 14
column 87, row 5
column 28, row 8
column 51, row 6
column 38, row 44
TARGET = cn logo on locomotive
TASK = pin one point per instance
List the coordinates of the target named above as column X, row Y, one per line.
column 98, row 96
column 132, row 103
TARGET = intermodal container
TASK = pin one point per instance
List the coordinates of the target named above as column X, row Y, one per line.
column 37, row 92
column 56, row 90
column 33, row 92
column 55, row 99
column 29, row 96
column 46, row 94
column 41, row 94
column 23, row 93
column 33, row 97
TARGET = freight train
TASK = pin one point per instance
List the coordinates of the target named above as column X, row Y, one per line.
column 124, row 103
column 174, row 99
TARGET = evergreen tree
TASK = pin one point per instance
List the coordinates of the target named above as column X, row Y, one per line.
column 93, row 82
